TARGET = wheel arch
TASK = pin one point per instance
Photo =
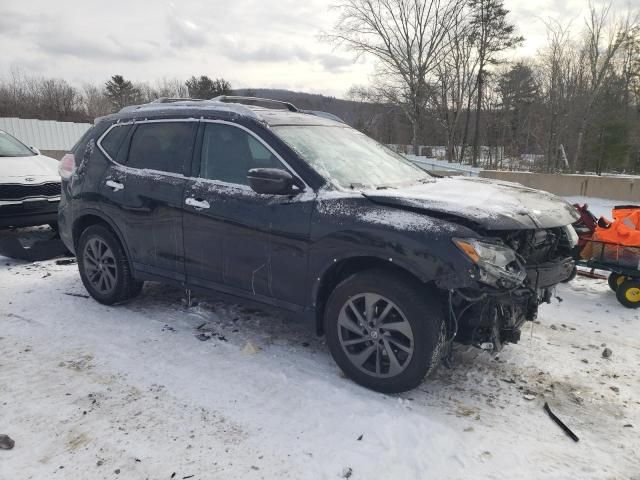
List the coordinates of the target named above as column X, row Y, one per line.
column 341, row 269
column 94, row 217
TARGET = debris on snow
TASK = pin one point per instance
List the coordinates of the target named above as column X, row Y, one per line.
column 66, row 261
column 250, row 349
column 347, row 472
column 6, row 442
column 79, row 295
column 607, row 352
column 559, row 422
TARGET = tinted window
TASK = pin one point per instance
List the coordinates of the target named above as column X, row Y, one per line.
column 10, row 147
column 228, row 153
column 165, row 146
column 114, row 139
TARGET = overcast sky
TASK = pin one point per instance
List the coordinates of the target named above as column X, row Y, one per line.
column 252, row 43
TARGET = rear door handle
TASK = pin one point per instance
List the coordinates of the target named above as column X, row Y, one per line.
column 199, row 204
column 115, row 185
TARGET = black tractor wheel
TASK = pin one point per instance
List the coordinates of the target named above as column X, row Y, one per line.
column 615, row 280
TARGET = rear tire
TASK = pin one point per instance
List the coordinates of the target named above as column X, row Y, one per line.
column 628, row 293
column 104, row 268
column 385, row 331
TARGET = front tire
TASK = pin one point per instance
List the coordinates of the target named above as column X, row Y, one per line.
column 384, row 331
column 104, row 268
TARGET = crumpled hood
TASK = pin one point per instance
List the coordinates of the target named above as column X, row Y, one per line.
column 38, row 167
column 491, row 204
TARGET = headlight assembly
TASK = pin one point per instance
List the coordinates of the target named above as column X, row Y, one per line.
column 498, row 265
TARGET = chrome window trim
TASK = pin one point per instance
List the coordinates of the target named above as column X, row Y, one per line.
column 178, row 175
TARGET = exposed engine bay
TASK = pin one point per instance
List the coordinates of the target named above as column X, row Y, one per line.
column 518, row 275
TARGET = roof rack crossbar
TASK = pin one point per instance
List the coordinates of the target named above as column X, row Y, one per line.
column 235, row 98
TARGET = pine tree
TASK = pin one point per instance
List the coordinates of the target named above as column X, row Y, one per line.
column 205, row 87
column 121, row 92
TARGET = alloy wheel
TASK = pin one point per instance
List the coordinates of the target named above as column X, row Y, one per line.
column 375, row 335
column 100, row 266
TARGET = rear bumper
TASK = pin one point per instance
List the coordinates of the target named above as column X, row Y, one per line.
column 29, row 213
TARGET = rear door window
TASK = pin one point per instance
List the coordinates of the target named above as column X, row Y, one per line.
column 163, row 146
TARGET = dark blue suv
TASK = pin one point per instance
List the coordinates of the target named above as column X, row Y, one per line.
column 258, row 202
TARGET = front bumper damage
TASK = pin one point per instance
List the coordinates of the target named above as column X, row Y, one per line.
column 488, row 318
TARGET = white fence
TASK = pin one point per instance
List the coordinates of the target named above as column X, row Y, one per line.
column 44, row 134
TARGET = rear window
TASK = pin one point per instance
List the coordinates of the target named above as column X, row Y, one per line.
column 164, row 146
column 112, row 142
column 11, row 147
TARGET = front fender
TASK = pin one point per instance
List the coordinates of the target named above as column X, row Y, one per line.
column 414, row 242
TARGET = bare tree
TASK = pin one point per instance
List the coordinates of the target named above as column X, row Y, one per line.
column 408, row 38
column 456, row 85
column 494, row 35
column 605, row 36
column 96, row 104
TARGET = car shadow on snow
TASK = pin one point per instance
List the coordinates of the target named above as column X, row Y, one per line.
column 30, row 244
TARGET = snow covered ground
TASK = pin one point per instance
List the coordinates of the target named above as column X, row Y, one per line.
column 89, row 392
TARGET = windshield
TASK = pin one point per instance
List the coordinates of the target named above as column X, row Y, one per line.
column 10, row 147
column 349, row 158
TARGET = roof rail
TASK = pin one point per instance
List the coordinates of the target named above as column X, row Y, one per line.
column 172, row 100
column 234, row 98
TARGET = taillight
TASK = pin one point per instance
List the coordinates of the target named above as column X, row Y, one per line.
column 67, row 166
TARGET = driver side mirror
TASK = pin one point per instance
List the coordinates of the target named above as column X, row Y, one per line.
column 35, row 150
column 272, row 181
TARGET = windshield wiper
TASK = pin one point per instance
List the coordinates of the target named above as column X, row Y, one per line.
column 384, row 187
column 353, row 186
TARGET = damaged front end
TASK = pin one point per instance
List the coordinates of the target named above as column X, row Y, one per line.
column 514, row 271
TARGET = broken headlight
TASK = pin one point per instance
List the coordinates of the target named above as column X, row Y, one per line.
column 498, row 265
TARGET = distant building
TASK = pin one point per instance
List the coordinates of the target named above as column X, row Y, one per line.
column 52, row 138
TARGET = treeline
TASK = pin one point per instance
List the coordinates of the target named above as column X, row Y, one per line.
column 55, row 99
column 574, row 106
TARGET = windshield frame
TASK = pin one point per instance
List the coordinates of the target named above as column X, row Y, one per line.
column 427, row 177
column 31, row 153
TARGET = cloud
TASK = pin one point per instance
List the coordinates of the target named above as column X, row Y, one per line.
column 183, row 32
column 242, row 52
column 12, row 23
column 96, row 48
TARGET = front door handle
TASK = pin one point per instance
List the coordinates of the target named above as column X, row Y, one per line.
column 199, row 204
column 115, row 185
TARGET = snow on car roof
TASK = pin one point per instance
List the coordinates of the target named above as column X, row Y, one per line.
column 196, row 108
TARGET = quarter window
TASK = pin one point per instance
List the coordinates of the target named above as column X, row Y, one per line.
column 229, row 152
column 112, row 142
column 164, row 146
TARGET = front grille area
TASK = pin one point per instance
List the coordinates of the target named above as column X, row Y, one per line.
column 19, row 192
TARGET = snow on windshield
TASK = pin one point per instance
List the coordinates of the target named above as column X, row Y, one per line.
column 10, row 147
column 349, row 158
